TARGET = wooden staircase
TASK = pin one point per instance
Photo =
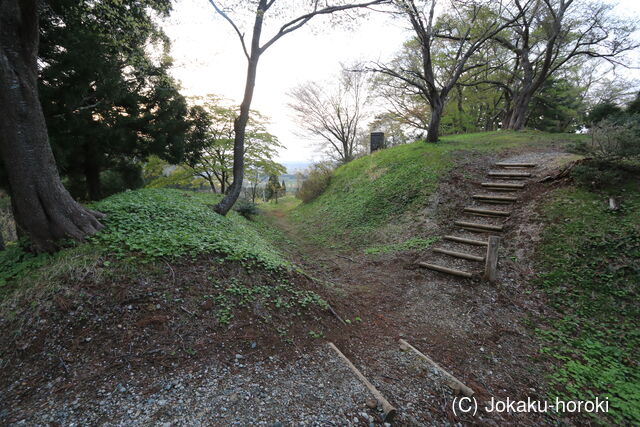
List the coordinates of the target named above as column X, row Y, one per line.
column 484, row 226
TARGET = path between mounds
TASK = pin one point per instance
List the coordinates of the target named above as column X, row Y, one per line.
column 473, row 329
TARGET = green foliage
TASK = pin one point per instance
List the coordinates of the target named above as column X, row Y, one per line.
column 634, row 106
column 412, row 244
column 317, row 181
column 616, row 138
column 214, row 160
column 590, row 257
column 7, row 224
column 233, row 294
column 246, row 208
column 605, row 174
column 155, row 223
column 372, row 191
column 15, row 263
column 603, row 111
column 557, row 107
column 106, row 92
column 160, row 174
column 274, row 188
column 317, row 335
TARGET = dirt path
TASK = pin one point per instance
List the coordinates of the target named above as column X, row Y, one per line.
column 475, row 330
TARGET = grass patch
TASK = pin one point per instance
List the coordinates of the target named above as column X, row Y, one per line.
column 285, row 204
column 15, row 263
column 371, row 191
column 156, row 223
column 590, row 257
column 146, row 225
column 233, row 294
column 415, row 243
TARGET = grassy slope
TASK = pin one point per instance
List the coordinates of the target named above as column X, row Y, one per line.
column 145, row 230
column 153, row 224
column 166, row 279
column 374, row 190
column 591, row 258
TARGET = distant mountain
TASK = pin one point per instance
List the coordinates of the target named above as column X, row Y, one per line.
column 293, row 167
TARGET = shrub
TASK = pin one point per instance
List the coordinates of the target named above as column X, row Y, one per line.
column 246, row 208
column 600, row 174
column 596, row 175
column 616, row 138
column 317, row 181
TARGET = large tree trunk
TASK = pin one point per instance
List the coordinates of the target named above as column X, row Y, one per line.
column 517, row 116
column 42, row 207
column 433, row 133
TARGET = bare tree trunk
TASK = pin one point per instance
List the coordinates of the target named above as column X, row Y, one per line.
column 211, row 184
column 223, row 185
column 517, row 115
column 42, row 207
column 254, row 191
column 239, row 126
column 460, row 119
column 433, row 133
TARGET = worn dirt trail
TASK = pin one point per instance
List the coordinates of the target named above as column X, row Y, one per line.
column 475, row 330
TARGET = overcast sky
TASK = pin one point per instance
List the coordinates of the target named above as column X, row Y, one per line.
column 209, row 59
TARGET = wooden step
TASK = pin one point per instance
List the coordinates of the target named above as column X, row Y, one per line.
column 503, row 189
column 495, row 199
column 502, row 185
column 478, row 226
column 516, row 165
column 509, row 175
column 486, row 212
column 446, row 270
column 462, row 255
column 465, row 240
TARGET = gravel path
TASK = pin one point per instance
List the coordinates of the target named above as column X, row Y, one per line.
column 315, row 390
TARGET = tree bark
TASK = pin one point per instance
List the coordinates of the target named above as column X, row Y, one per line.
column 516, row 118
column 42, row 207
column 433, row 133
column 240, row 123
column 1, row 241
column 211, row 183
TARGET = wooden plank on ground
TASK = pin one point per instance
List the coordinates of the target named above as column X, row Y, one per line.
column 496, row 199
column 446, row 270
column 453, row 382
column 479, row 226
column 486, row 212
column 518, row 186
column 389, row 410
column 465, row 240
column 509, row 175
column 462, row 255
column 516, row 165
